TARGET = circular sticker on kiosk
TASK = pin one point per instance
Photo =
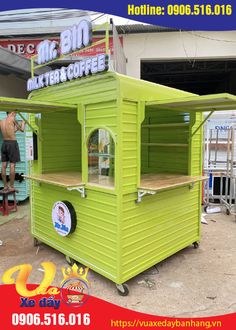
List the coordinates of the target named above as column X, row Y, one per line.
column 63, row 218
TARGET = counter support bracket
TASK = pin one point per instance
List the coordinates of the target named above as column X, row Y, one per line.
column 27, row 122
column 81, row 190
column 203, row 122
column 191, row 186
column 142, row 193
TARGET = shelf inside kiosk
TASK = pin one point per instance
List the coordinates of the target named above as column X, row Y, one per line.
column 165, row 150
column 59, row 151
column 165, row 138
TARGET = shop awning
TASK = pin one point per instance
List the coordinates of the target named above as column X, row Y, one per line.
column 206, row 103
column 31, row 106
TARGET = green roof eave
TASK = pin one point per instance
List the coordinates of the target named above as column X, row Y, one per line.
column 206, row 103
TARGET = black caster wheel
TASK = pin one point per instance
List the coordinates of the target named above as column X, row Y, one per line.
column 196, row 245
column 122, row 289
column 70, row 261
column 36, row 242
column 227, row 212
column 205, row 209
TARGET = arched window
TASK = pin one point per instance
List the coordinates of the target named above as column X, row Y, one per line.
column 101, row 158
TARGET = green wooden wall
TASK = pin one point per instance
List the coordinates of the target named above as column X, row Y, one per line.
column 164, row 146
column 94, row 242
column 61, row 142
column 157, row 227
column 167, row 222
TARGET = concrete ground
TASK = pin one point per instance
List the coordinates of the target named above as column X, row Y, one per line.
column 192, row 283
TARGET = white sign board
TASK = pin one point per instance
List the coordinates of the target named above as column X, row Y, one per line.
column 71, row 40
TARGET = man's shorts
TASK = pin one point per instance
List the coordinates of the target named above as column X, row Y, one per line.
column 10, row 151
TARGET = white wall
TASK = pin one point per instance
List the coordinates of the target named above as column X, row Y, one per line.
column 11, row 86
column 177, row 45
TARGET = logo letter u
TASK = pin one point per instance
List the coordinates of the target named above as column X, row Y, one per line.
column 22, row 277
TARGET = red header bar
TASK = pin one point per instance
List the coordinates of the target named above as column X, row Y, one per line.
column 28, row 47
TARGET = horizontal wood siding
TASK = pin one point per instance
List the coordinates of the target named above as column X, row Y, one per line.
column 158, row 227
column 129, row 146
column 79, row 91
column 195, row 163
column 164, row 148
column 61, row 143
column 101, row 115
column 94, row 242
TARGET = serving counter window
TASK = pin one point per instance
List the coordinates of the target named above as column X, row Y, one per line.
column 164, row 142
column 59, row 150
column 165, row 149
column 101, row 158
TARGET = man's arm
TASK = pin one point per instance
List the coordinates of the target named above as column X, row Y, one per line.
column 20, row 127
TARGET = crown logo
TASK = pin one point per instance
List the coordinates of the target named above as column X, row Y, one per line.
column 75, row 271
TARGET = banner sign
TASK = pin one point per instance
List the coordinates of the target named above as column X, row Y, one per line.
column 178, row 14
column 28, row 47
column 71, row 306
column 79, row 69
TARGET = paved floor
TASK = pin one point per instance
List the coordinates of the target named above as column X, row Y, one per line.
column 193, row 282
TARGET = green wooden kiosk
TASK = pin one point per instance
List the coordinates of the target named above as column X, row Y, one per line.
column 125, row 157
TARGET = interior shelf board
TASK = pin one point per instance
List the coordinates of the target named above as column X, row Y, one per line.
column 184, row 145
column 165, row 125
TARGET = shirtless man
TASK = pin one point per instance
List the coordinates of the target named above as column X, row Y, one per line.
column 10, row 149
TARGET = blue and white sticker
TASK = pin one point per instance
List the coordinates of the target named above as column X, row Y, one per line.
column 63, row 218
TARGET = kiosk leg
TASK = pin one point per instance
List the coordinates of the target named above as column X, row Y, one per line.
column 72, row 261
column 195, row 245
column 122, row 289
column 36, row 242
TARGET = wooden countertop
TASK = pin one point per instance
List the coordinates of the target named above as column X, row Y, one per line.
column 62, row 179
column 164, row 181
column 153, row 182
